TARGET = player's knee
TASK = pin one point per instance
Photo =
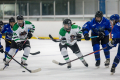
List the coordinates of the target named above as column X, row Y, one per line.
column 104, row 45
column 96, row 47
column 64, row 51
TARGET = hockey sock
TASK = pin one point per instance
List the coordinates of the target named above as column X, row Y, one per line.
column 11, row 52
column 97, row 54
column 25, row 54
column 7, row 50
column 116, row 60
column 65, row 54
column 79, row 55
column 106, row 52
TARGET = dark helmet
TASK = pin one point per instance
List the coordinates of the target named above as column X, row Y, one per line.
column 11, row 20
column 1, row 23
column 67, row 21
column 20, row 17
column 99, row 14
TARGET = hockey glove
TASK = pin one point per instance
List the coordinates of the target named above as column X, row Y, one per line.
column 79, row 37
column 29, row 35
column 19, row 45
column 86, row 36
column 1, row 49
column 110, row 45
column 63, row 40
column 101, row 35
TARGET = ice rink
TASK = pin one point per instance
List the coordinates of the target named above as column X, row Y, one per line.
column 50, row 71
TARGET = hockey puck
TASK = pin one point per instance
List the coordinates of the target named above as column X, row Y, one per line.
column 23, row 71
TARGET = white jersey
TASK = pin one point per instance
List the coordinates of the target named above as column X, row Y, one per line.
column 64, row 34
column 20, row 33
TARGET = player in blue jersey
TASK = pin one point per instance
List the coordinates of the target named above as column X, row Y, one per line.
column 115, row 40
column 101, row 27
column 8, row 37
column 1, row 47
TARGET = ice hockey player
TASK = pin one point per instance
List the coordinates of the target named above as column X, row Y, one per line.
column 101, row 27
column 20, row 34
column 1, row 47
column 115, row 40
column 67, row 34
column 7, row 28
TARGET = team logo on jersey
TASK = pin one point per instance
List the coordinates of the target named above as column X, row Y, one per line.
column 93, row 24
column 23, row 33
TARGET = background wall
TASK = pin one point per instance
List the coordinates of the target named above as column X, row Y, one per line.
column 44, row 28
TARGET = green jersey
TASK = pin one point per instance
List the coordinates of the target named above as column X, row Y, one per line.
column 20, row 33
column 75, row 29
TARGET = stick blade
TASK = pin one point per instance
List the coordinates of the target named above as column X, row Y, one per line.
column 1, row 69
column 35, row 53
column 50, row 36
column 37, row 70
column 54, row 61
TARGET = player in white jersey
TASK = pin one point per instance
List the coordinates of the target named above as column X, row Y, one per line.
column 69, row 35
column 20, row 34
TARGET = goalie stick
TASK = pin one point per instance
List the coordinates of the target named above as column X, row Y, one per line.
column 59, row 40
column 31, row 71
column 54, row 61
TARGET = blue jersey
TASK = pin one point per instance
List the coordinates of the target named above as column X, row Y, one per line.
column 96, row 27
column 0, row 38
column 116, row 31
column 8, row 30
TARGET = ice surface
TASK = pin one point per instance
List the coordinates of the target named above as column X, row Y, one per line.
column 50, row 71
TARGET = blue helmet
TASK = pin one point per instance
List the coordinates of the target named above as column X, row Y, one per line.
column 114, row 17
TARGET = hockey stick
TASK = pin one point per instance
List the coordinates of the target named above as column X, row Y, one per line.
column 30, row 53
column 6, row 40
column 31, row 71
column 36, row 37
column 59, row 40
column 14, row 55
column 54, row 61
column 35, row 53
